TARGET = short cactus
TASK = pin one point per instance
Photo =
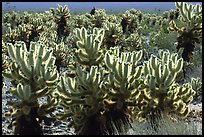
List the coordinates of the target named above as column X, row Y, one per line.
column 161, row 92
column 197, row 87
column 99, row 18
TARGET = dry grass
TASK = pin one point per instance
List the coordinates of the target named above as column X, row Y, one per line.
column 165, row 127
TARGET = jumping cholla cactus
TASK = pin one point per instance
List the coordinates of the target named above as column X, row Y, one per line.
column 99, row 18
column 33, row 75
column 88, row 50
column 126, row 19
column 197, row 87
column 122, row 86
column 82, row 100
column 133, row 42
column 11, row 36
column 59, row 53
column 161, row 94
column 192, row 32
column 5, row 65
column 34, row 29
column 61, row 14
column 82, row 21
column 113, row 34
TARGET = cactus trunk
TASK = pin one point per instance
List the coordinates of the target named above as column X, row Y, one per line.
column 28, row 125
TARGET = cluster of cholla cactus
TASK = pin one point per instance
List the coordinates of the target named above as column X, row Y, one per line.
column 33, row 75
column 99, row 68
column 98, row 18
column 190, row 34
column 161, row 93
column 171, row 15
column 133, row 42
column 59, row 54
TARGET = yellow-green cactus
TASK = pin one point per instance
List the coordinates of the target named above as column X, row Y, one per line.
column 34, row 29
column 61, row 14
column 192, row 32
column 113, row 35
column 99, row 18
column 88, row 50
column 11, row 36
column 122, row 85
column 82, row 100
column 59, row 53
column 82, row 21
column 133, row 42
column 161, row 92
column 5, row 66
column 197, row 86
column 33, row 75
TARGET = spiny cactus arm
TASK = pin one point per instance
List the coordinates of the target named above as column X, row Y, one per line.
column 62, row 88
column 181, row 108
column 192, row 14
column 196, row 84
column 40, row 93
column 181, row 6
column 24, row 92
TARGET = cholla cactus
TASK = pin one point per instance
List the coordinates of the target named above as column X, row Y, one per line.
column 122, row 86
column 33, row 75
column 11, row 36
column 192, row 32
column 191, row 14
column 161, row 93
column 125, row 21
column 99, row 18
column 34, row 29
column 5, row 65
column 171, row 14
column 113, row 34
column 133, row 42
column 82, row 21
column 131, row 20
column 88, row 50
column 61, row 14
column 197, row 87
column 82, row 100
column 59, row 54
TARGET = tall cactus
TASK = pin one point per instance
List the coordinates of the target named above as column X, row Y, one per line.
column 82, row 100
column 190, row 34
column 122, row 86
column 61, row 14
column 33, row 75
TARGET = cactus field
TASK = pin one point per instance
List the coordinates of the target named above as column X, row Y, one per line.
column 98, row 73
